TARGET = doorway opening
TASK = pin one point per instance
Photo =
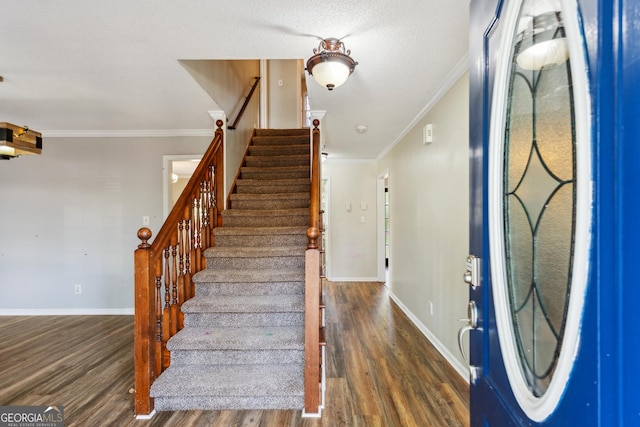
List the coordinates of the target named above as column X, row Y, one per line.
column 384, row 228
column 176, row 171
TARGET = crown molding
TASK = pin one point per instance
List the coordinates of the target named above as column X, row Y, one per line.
column 452, row 78
column 125, row 133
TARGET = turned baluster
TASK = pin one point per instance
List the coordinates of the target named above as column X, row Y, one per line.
column 159, row 322
column 182, row 286
column 197, row 232
column 204, row 194
column 197, row 225
column 203, row 203
column 174, row 291
column 181, row 247
column 166, row 314
column 187, row 261
column 211, row 208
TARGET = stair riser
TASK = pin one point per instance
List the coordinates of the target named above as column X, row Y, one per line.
column 214, row 403
column 269, row 204
column 229, row 276
column 267, row 140
column 283, row 132
column 235, row 357
column 266, row 221
column 248, row 289
column 252, row 188
column 277, row 161
column 262, row 241
column 275, row 175
column 202, row 320
column 231, row 263
column 282, row 150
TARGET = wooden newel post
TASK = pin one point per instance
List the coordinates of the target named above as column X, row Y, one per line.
column 314, row 211
column 312, row 375
column 144, row 325
column 219, row 124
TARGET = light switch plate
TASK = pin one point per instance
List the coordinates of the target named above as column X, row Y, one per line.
column 427, row 134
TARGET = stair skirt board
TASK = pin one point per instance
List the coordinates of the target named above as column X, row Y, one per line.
column 242, row 346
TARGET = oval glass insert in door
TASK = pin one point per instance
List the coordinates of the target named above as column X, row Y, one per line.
column 539, row 210
column 539, row 197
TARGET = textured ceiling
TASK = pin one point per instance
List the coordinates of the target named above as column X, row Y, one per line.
column 78, row 67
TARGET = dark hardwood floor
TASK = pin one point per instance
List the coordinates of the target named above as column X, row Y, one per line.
column 381, row 371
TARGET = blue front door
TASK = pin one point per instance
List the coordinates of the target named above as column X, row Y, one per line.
column 555, row 198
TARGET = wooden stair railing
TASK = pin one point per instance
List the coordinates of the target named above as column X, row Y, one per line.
column 244, row 105
column 314, row 304
column 175, row 255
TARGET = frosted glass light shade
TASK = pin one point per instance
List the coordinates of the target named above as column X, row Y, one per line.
column 331, row 74
column 549, row 52
column 7, row 151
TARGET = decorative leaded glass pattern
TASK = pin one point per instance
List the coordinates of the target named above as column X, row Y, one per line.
column 539, row 194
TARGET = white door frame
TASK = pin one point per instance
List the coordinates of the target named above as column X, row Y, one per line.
column 327, row 224
column 167, row 161
column 380, row 200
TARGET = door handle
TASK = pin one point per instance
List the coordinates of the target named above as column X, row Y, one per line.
column 472, row 323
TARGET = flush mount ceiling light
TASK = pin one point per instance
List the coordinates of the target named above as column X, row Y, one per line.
column 18, row 140
column 331, row 64
column 542, row 43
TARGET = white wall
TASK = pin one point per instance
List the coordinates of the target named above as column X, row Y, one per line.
column 228, row 82
column 176, row 190
column 284, row 102
column 70, row 216
column 352, row 243
column 429, row 214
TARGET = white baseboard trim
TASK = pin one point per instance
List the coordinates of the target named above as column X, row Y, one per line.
column 66, row 311
column 352, row 279
column 444, row 351
column 311, row 415
column 145, row 417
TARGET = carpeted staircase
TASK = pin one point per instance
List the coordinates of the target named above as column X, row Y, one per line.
column 242, row 346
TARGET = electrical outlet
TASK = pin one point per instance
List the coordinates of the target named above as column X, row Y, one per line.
column 78, row 289
column 431, row 308
column 145, row 220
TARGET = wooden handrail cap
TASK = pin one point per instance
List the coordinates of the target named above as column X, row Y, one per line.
column 144, row 234
column 313, row 233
